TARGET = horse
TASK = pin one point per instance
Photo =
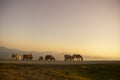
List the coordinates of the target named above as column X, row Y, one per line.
column 16, row 56
column 49, row 57
column 27, row 57
column 40, row 58
column 78, row 57
column 68, row 58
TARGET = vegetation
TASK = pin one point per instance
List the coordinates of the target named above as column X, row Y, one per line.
column 59, row 72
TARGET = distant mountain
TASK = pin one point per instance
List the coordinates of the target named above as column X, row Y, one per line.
column 6, row 53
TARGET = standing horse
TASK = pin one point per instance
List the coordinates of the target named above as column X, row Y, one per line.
column 68, row 58
column 49, row 57
column 40, row 58
column 78, row 57
column 16, row 56
column 27, row 57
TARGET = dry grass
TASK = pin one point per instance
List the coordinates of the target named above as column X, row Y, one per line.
column 59, row 72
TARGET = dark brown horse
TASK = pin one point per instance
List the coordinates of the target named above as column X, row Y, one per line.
column 49, row 57
column 68, row 58
column 27, row 57
column 78, row 57
column 41, row 58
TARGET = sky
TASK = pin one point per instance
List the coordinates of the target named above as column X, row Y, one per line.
column 86, row 27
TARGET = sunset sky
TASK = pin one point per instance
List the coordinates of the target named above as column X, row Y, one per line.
column 88, row 27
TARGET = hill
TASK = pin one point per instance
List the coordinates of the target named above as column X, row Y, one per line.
column 6, row 53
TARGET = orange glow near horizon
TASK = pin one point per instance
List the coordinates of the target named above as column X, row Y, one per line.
column 91, row 28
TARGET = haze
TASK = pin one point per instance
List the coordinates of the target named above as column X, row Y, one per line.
column 88, row 27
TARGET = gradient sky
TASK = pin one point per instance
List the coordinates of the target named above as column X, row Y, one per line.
column 89, row 27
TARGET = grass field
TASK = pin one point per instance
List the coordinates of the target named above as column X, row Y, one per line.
column 59, row 72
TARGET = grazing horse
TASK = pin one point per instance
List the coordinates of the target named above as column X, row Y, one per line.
column 16, row 56
column 41, row 58
column 68, row 58
column 49, row 57
column 27, row 57
column 78, row 57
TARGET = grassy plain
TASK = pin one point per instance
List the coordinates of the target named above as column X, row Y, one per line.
column 11, row 71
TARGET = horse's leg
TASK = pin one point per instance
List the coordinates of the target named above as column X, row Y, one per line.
column 77, row 59
column 81, row 58
column 16, row 58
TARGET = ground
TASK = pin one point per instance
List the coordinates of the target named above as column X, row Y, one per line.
column 14, row 71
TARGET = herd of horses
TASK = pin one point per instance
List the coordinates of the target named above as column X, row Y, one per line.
column 29, row 57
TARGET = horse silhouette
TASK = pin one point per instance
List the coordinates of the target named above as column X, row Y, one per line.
column 78, row 57
column 72, row 58
column 41, row 58
column 68, row 58
column 49, row 58
column 27, row 57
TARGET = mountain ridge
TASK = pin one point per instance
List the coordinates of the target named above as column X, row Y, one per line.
column 6, row 53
